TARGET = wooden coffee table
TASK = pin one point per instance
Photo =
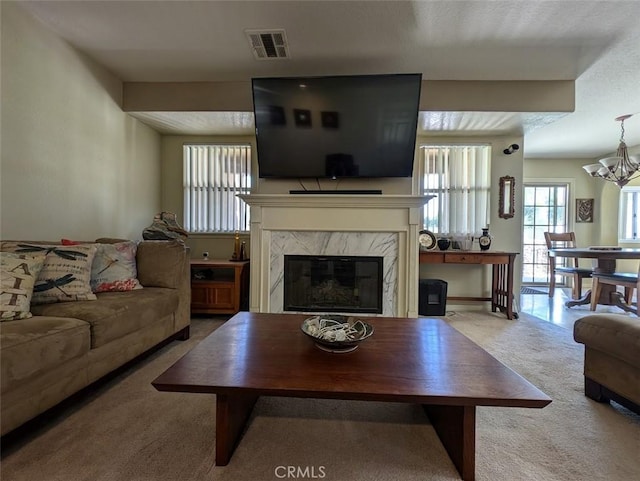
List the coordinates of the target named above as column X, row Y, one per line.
column 423, row 361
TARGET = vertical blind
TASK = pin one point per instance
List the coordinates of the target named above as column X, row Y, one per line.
column 213, row 176
column 460, row 178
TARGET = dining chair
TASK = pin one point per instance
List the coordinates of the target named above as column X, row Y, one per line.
column 628, row 280
column 572, row 269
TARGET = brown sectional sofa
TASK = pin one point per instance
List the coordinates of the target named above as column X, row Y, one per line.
column 66, row 346
column 611, row 357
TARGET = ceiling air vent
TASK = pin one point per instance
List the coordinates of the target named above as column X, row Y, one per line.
column 268, row 44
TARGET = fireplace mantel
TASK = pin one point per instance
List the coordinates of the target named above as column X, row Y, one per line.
column 336, row 224
column 336, row 200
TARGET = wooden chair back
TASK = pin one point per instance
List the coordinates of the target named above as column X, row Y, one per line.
column 570, row 268
column 561, row 239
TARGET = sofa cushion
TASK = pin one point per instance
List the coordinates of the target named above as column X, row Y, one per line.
column 116, row 314
column 31, row 347
column 18, row 273
column 65, row 274
column 161, row 263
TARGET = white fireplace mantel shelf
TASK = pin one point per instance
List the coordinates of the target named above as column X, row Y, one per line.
column 337, row 200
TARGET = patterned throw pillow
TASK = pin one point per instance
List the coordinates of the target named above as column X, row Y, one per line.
column 18, row 273
column 114, row 268
column 65, row 274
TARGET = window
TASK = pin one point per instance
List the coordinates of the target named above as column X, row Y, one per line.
column 460, row 178
column 213, row 176
column 629, row 209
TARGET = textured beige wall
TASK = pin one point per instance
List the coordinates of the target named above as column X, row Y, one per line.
column 73, row 164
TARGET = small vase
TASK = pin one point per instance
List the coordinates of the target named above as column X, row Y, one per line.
column 443, row 243
column 485, row 240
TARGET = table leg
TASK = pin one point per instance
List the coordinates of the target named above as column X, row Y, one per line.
column 509, row 267
column 617, row 299
column 502, row 289
column 456, row 428
column 586, row 299
column 608, row 297
column 232, row 414
column 605, row 266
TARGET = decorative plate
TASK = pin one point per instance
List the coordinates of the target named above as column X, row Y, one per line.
column 336, row 333
column 427, row 240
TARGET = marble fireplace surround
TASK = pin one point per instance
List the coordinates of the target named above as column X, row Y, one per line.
column 335, row 224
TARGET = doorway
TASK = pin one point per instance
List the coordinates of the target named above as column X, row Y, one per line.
column 545, row 210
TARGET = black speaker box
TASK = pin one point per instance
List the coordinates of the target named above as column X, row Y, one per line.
column 432, row 297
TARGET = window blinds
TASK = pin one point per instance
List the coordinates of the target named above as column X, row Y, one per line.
column 213, row 176
column 460, row 178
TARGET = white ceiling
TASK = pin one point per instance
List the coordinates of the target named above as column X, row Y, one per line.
column 595, row 43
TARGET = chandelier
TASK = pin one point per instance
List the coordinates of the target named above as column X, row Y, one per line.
column 619, row 169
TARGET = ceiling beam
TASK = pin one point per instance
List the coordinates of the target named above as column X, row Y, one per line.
column 437, row 95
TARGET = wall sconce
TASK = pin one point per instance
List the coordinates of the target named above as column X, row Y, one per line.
column 511, row 149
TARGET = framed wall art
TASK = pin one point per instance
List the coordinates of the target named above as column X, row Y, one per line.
column 330, row 120
column 584, row 210
column 302, row 117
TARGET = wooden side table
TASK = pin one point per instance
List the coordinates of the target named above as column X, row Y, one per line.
column 502, row 274
column 219, row 286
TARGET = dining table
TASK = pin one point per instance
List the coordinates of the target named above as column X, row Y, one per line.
column 604, row 262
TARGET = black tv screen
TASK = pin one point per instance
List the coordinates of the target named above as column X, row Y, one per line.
column 336, row 127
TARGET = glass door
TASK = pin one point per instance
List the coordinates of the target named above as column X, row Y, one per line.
column 545, row 210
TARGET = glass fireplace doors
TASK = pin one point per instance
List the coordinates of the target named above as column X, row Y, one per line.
column 333, row 284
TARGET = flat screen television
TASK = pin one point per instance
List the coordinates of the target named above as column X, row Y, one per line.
column 336, row 126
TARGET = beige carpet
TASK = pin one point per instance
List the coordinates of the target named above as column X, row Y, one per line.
column 125, row 430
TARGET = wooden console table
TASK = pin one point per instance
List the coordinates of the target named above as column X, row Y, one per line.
column 219, row 286
column 502, row 274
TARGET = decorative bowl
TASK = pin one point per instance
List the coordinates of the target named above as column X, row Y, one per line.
column 444, row 243
column 336, row 333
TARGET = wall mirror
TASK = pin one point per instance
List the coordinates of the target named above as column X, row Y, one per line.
column 506, row 201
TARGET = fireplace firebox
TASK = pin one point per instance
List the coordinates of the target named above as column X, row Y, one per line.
column 350, row 284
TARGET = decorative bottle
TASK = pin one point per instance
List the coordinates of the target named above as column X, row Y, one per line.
column 485, row 239
column 236, row 247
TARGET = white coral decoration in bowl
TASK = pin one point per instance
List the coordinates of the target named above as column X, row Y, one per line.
column 332, row 330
